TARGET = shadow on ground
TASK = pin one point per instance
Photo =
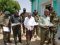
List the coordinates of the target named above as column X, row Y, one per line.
column 23, row 42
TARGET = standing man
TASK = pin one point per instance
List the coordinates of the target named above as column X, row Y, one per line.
column 29, row 24
column 36, row 28
column 7, row 21
column 44, row 22
column 23, row 15
column 16, row 27
column 4, row 23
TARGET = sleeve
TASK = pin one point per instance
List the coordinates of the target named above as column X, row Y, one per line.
column 21, row 17
column 33, row 19
column 41, row 21
column 48, row 18
column 33, row 22
column 9, row 24
column 11, row 19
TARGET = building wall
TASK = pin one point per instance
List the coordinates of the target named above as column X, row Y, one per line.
column 56, row 5
column 43, row 1
column 36, row 5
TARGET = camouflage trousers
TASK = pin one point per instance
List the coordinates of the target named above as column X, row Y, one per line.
column 28, row 36
column 6, row 36
column 44, row 35
column 36, row 30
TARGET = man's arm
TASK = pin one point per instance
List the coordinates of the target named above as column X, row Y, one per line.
column 21, row 17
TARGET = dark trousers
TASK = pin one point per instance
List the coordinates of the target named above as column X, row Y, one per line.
column 28, row 36
column 24, row 29
column 16, row 32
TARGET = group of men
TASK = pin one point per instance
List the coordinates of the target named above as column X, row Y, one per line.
column 29, row 21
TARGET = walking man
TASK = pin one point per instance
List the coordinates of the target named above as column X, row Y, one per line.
column 36, row 28
column 23, row 15
column 44, row 22
column 4, row 22
column 29, row 24
column 16, row 27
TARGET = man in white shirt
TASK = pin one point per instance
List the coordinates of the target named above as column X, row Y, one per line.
column 29, row 24
column 44, row 22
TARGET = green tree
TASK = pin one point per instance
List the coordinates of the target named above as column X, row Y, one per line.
column 9, row 5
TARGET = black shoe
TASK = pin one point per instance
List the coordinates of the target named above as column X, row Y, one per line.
column 20, row 41
column 49, row 41
column 9, row 41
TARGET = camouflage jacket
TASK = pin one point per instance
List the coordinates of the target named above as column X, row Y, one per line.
column 4, row 20
column 36, row 18
column 23, row 15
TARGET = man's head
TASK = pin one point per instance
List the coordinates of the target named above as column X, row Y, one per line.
column 16, row 13
column 29, row 15
column 24, row 10
column 35, row 12
column 46, row 12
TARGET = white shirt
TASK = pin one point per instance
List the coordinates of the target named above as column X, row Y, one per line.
column 30, row 23
column 45, row 21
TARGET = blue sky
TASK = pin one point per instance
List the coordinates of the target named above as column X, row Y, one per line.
column 25, row 4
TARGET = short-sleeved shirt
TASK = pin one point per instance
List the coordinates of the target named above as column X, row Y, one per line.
column 36, row 18
column 4, row 20
column 23, row 15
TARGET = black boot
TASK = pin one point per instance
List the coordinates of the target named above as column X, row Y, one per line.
column 20, row 41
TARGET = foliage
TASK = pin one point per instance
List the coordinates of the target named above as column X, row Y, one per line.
column 9, row 5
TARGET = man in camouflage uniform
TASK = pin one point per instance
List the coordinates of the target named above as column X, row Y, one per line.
column 22, row 16
column 44, row 21
column 4, row 22
column 36, row 28
column 54, row 19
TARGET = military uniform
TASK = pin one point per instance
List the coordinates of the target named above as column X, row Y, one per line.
column 22, row 16
column 44, row 29
column 36, row 28
column 54, row 20
column 16, row 28
column 53, row 30
column 6, row 34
